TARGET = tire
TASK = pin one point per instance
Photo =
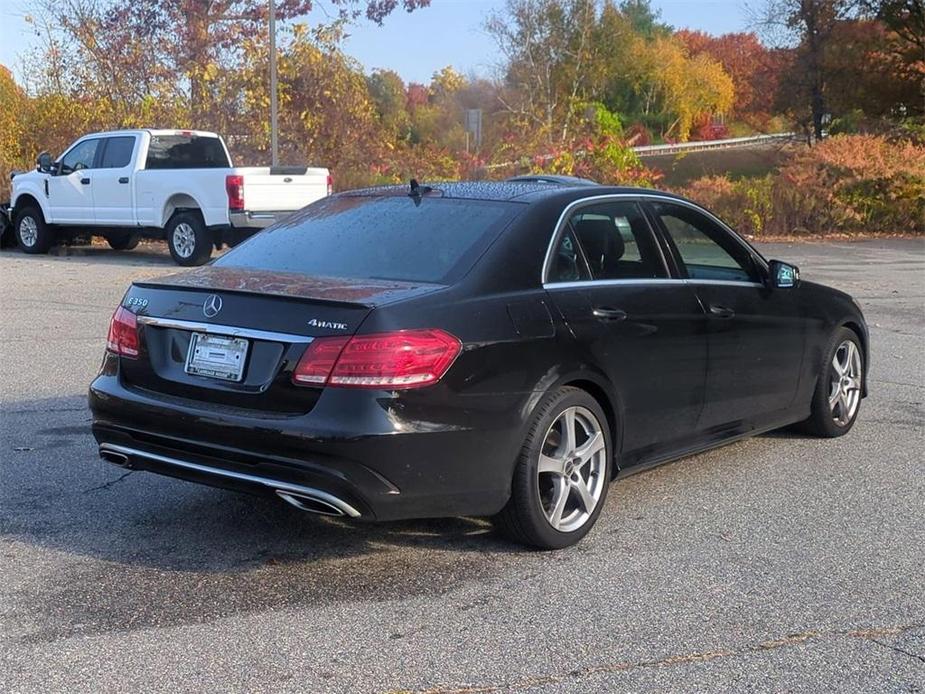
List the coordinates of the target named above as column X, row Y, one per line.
column 31, row 232
column 125, row 242
column 189, row 241
column 837, row 398
column 530, row 515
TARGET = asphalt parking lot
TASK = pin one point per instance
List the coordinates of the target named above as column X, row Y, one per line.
column 782, row 563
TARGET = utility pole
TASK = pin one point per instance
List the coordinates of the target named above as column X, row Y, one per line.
column 274, row 107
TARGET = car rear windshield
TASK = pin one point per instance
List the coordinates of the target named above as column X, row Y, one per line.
column 186, row 152
column 393, row 238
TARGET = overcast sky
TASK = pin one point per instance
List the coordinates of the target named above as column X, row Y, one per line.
column 449, row 32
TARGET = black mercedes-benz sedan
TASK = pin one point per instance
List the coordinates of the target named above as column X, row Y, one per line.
column 478, row 349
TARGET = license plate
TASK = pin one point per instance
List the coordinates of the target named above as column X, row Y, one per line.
column 216, row 357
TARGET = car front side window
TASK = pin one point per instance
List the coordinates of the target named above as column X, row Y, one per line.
column 705, row 250
column 80, row 156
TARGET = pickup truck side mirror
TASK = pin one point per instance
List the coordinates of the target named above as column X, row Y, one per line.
column 783, row 275
column 44, row 162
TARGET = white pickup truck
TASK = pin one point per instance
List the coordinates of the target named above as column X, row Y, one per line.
column 177, row 185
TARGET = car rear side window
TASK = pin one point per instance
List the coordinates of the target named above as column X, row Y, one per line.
column 616, row 242
column 186, row 152
column 117, row 152
column 392, row 238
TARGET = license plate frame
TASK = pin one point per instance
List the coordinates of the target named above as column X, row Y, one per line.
column 220, row 357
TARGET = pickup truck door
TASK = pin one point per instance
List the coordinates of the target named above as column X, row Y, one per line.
column 112, row 181
column 70, row 190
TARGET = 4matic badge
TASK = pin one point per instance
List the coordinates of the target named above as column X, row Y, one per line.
column 330, row 325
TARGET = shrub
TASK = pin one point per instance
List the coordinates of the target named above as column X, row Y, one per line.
column 847, row 183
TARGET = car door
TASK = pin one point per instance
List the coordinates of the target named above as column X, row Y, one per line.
column 70, row 191
column 112, row 188
column 608, row 278
column 756, row 334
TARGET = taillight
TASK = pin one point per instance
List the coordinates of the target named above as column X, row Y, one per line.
column 400, row 359
column 330, row 184
column 234, row 186
column 123, row 334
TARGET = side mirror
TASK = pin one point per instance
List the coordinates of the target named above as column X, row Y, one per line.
column 783, row 275
column 44, row 162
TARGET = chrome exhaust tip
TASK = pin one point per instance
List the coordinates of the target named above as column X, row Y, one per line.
column 114, row 457
column 310, row 503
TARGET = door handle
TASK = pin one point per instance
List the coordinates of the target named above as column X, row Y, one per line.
column 124, row 179
column 607, row 313
column 84, row 181
column 721, row 311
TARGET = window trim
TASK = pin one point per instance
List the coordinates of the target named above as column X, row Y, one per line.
column 565, row 222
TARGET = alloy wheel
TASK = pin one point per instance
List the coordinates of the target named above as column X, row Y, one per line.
column 571, row 469
column 28, row 231
column 184, row 240
column 845, row 383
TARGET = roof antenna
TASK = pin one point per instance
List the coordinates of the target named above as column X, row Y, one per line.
column 418, row 190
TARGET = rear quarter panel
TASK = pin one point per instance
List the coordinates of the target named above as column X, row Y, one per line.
column 158, row 193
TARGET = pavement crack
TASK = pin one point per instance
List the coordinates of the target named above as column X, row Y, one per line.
column 109, row 484
column 898, row 649
column 870, row 634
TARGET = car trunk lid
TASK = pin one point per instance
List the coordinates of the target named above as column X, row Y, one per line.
column 256, row 323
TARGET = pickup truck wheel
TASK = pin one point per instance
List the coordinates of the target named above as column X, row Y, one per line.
column 123, row 243
column 32, row 234
column 189, row 241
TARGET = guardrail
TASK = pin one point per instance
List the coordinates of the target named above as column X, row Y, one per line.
column 662, row 150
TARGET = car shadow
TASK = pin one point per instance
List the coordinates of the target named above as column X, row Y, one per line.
column 148, row 252
column 124, row 541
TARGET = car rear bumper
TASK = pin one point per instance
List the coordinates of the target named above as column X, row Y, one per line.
column 257, row 220
column 381, row 467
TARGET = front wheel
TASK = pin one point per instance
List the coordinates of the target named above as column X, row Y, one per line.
column 562, row 474
column 189, row 241
column 31, row 231
column 837, row 398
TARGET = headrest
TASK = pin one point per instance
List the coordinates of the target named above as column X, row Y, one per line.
column 602, row 241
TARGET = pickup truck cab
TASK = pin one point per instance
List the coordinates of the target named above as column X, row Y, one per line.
column 177, row 185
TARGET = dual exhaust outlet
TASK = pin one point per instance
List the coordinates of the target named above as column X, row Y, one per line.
column 303, row 498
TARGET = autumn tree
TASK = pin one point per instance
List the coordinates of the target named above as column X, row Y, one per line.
column 754, row 70
column 677, row 87
column 547, row 46
column 388, row 92
column 904, row 21
column 644, row 20
column 176, row 50
column 810, row 26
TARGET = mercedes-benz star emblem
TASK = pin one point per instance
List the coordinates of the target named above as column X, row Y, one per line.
column 212, row 306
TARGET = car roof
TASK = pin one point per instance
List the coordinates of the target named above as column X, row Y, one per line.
column 554, row 179
column 520, row 191
column 152, row 131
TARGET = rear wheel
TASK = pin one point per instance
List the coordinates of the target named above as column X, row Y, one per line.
column 562, row 474
column 837, row 398
column 125, row 242
column 189, row 241
column 31, row 231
